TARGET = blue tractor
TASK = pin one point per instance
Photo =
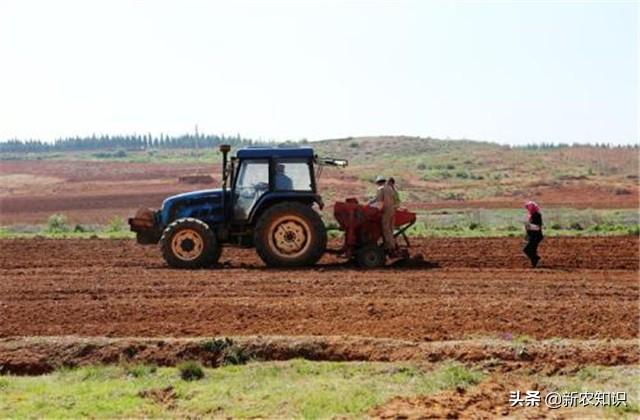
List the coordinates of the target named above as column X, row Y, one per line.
column 266, row 201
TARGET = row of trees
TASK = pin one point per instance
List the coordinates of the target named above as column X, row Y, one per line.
column 540, row 146
column 126, row 142
column 188, row 141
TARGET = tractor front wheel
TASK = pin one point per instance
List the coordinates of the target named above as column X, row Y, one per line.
column 290, row 235
column 189, row 243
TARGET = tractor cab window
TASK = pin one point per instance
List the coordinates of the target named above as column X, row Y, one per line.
column 252, row 182
column 292, row 175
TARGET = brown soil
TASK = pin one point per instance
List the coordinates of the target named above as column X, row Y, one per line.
column 83, row 208
column 587, row 288
column 197, row 179
column 486, row 401
column 91, row 192
column 77, row 171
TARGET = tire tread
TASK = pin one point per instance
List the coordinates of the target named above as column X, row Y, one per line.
column 319, row 235
column 208, row 258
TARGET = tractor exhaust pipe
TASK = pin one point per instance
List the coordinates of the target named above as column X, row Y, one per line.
column 224, row 149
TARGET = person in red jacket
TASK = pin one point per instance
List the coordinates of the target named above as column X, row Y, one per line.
column 534, row 232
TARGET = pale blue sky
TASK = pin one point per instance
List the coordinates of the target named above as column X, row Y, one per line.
column 511, row 72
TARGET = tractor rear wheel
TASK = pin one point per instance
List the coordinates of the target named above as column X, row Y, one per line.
column 370, row 256
column 290, row 235
column 189, row 243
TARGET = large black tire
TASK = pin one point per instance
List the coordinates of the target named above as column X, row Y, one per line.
column 370, row 256
column 290, row 235
column 189, row 243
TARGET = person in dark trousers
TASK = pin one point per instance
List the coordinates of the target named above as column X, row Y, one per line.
column 534, row 232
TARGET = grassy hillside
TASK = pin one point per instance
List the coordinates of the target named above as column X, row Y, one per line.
column 293, row 389
column 432, row 169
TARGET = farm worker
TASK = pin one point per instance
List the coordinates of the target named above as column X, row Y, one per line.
column 396, row 194
column 283, row 182
column 534, row 232
column 385, row 201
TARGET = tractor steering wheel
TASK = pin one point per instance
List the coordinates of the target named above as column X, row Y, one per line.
column 253, row 190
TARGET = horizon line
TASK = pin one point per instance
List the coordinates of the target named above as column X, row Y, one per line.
column 162, row 135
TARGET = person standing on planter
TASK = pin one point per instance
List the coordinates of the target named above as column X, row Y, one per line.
column 385, row 202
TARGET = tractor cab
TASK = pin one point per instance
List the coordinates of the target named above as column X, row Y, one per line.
column 263, row 176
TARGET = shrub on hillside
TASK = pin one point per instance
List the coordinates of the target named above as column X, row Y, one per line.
column 229, row 353
column 116, row 224
column 454, row 196
column 576, row 226
column 190, row 371
column 57, row 223
column 119, row 154
column 140, row 370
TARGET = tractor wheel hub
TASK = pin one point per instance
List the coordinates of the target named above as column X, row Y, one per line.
column 187, row 244
column 289, row 237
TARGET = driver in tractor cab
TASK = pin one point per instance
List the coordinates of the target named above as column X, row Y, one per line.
column 385, row 201
column 283, row 182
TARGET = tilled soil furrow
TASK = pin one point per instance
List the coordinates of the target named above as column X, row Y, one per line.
column 47, row 288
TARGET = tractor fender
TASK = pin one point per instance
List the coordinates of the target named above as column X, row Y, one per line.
column 270, row 199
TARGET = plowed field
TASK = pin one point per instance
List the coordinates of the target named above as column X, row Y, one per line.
column 586, row 288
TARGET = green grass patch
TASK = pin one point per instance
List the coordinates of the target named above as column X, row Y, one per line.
column 9, row 232
column 191, row 371
column 291, row 389
column 462, row 223
column 58, row 227
column 510, row 223
column 140, row 370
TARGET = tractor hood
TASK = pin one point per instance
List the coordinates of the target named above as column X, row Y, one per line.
column 206, row 205
column 193, row 195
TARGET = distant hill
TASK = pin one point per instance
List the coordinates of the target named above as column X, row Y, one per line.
column 462, row 170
